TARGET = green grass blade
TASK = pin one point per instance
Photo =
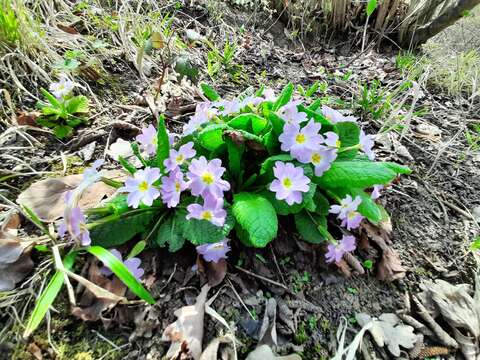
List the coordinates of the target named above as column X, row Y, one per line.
column 119, row 269
column 48, row 296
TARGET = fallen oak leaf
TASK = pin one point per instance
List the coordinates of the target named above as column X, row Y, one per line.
column 186, row 333
column 46, row 198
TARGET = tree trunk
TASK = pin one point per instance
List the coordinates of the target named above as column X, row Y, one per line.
column 417, row 35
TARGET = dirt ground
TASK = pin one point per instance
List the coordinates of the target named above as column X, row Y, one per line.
column 434, row 213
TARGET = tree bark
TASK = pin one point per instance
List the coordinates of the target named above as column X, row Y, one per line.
column 418, row 35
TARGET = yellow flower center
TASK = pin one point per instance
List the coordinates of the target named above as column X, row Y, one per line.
column 316, row 158
column 338, row 143
column 351, row 214
column 287, row 183
column 300, row 139
column 143, row 186
column 179, row 159
column 208, row 178
column 177, row 187
column 207, row 215
column 218, row 246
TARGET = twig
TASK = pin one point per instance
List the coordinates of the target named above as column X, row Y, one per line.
column 273, row 282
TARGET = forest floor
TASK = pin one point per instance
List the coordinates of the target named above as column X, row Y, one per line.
column 435, row 211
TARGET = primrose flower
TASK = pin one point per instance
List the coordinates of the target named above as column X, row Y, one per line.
column 204, row 112
column 290, row 182
column 178, row 158
column 290, row 113
column 172, row 187
column 171, row 138
column 205, row 178
column 346, row 205
column 74, row 224
column 300, row 142
column 62, row 88
column 250, row 101
column 90, row 176
column 148, row 139
column 321, row 159
column 332, row 140
column 352, row 220
column 132, row 264
column 140, row 187
column 366, row 144
column 376, row 191
column 269, row 94
column 336, row 251
column 214, row 252
column 211, row 210
column 336, row 116
column 229, row 106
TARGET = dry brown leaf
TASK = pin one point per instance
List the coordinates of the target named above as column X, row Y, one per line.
column 390, row 267
column 28, row 118
column 46, row 197
column 186, row 334
column 15, row 261
column 35, row 351
column 92, row 307
column 268, row 331
column 212, row 271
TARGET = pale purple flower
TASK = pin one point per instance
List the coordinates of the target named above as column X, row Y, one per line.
column 290, row 182
column 336, row 251
column 214, row 252
column 346, row 205
column 269, row 94
column 204, row 112
column 148, row 140
column 140, row 187
column 336, row 116
column 301, row 142
column 62, row 88
column 74, row 224
column 178, row 158
column 211, row 210
column 332, row 140
column 290, row 113
column 229, row 106
column 366, row 145
column 90, row 176
column 321, row 159
column 171, row 138
column 376, row 191
column 132, row 264
column 205, row 177
column 352, row 220
column 250, row 101
column 172, row 187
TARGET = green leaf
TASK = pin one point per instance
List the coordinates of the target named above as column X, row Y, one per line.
column 270, row 140
column 127, row 166
column 307, row 226
column 371, row 6
column 184, row 67
column 257, row 217
column 137, row 249
column 358, row 174
column 118, row 205
column 163, row 144
column 316, row 116
column 312, row 89
column 269, row 163
column 62, row 131
column 276, row 121
column 48, row 296
column 171, row 231
column 122, row 272
column 315, row 105
column 235, row 157
column 349, row 135
column 51, row 99
column 117, row 230
column 77, row 104
column 209, row 92
column 284, row 97
column 322, row 205
column 248, row 122
column 211, row 138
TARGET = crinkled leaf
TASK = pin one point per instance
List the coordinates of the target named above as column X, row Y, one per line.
column 62, row 131
column 249, row 122
column 200, row 232
column 171, row 232
column 77, row 104
column 163, row 144
column 308, row 226
column 234, row 157
column 117, row 230
column 276, row 121
column 256, row 215
column 349, row 135
column 211, row 138
column 284, row 97
column 209, row 92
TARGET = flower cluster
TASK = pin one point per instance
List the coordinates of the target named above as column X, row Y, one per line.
column 62, row 88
